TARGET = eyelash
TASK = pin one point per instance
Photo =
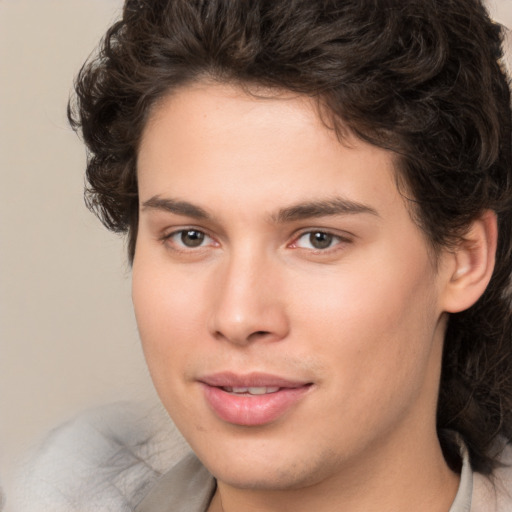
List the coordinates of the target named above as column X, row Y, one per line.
column 167, row 239
column 334, row 240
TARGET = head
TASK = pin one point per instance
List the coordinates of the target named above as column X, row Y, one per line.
column 416, row 85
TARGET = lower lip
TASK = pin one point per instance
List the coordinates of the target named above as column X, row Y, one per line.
column 252, row 410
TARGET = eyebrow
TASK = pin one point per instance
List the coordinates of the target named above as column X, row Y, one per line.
column 174, row 206
column 312, row 209
column 299, row 211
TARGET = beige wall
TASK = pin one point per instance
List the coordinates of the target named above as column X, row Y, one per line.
column 67, row 335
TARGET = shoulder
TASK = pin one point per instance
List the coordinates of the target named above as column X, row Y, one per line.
column 104, row 460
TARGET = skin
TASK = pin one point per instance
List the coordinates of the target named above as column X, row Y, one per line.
column 362, row 319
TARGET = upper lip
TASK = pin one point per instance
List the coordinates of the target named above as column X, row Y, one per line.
column 249, row 380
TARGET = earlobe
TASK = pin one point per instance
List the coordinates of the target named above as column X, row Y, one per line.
column 472, row 264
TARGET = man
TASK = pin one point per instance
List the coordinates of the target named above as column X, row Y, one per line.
column 317, row 197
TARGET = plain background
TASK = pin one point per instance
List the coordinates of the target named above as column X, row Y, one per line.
column 68, row 339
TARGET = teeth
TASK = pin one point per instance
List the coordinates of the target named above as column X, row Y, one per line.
column 239, row 390
column 252, row 390
column 262, row 391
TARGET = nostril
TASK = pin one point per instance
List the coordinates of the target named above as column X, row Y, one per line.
column 259, row 334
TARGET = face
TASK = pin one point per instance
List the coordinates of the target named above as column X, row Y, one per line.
column 286, row 301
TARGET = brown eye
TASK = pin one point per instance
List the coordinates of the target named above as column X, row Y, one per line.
column 320, row 240
column 192, row 237
column 317, row 240
column 188, row 240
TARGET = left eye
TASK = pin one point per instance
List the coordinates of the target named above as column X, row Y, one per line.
column 317, row 240
column 189, row 238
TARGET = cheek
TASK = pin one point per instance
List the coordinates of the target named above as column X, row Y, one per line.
column 168, row 319
column 168, row 315
column 376, row 320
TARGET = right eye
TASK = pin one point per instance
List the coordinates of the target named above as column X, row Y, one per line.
column 317, row 240
column 188, row 239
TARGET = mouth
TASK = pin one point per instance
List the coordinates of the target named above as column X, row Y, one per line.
column 252, row 400
column 250, row 391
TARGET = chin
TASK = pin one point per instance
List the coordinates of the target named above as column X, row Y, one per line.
column 266, row 479
column 270, row 470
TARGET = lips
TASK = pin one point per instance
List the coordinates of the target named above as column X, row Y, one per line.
column 251, row 400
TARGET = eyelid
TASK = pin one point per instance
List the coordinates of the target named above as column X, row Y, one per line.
column 343, row 238
column 166, row 238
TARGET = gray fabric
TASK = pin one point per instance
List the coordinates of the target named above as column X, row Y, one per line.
column 105, row 460
column 462, row 501
column 495, row 494
column 188, row 487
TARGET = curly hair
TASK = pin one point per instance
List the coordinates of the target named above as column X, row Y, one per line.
column 422, row 78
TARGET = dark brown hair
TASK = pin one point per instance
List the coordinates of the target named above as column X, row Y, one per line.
column 419, row 77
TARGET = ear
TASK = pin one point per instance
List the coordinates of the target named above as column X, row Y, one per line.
column 471, row 264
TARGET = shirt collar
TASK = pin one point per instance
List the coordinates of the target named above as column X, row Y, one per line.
column 462, row 501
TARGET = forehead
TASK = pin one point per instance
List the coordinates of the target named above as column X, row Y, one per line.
column 213, row 111
column 219, row 139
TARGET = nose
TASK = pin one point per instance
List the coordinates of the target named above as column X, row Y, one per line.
column 249, row 301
